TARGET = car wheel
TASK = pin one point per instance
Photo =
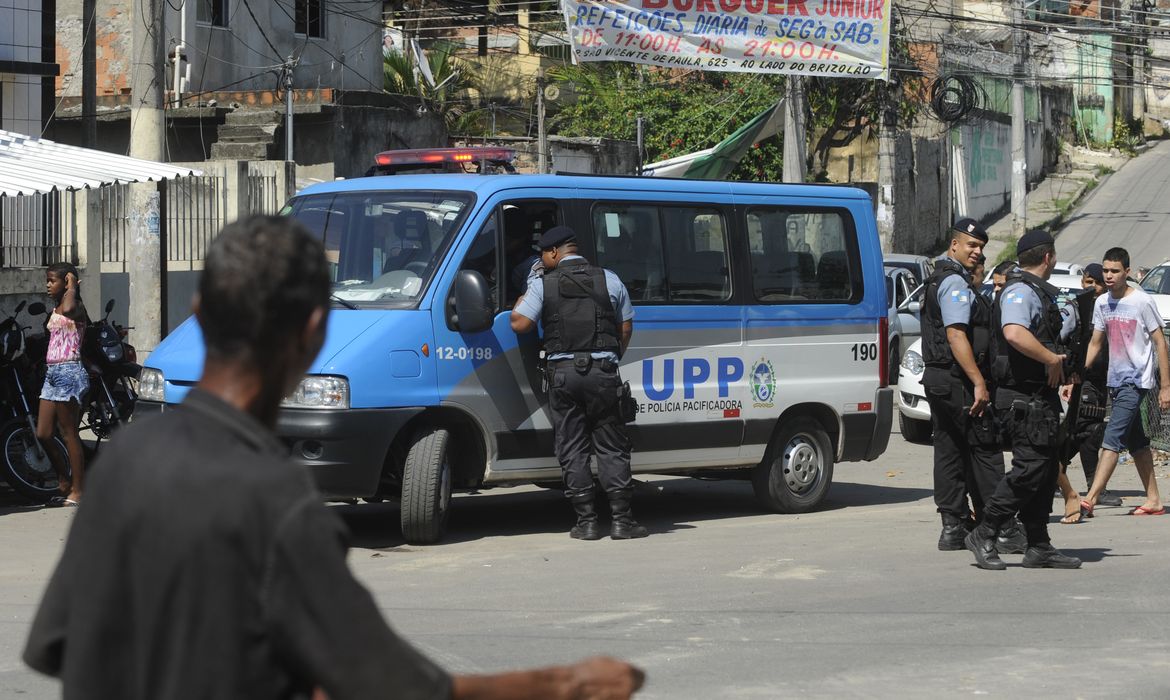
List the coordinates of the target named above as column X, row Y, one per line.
column 914, row 430
column 426, row 486
column 797, row 469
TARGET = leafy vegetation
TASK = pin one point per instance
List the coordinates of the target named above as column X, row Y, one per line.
column 452, row 81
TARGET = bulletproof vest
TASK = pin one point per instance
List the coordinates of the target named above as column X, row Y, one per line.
column 936, row 351
column 578, row 315
column 1012, row 369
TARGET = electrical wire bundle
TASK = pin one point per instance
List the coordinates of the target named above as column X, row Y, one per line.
column 954, row 97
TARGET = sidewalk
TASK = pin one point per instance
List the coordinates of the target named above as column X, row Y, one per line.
column 1054, row 198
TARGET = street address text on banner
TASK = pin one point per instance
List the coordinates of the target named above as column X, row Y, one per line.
column 843, row 38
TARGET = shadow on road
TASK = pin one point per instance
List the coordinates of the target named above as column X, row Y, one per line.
column 662, row 505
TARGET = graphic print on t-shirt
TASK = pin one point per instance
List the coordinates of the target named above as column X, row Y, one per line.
column 1127, row 323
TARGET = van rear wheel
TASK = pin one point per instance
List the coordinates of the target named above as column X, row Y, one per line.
column 797, row 470
column 426, row 486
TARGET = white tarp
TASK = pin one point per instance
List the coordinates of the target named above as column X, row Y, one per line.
column 29, row 165
column 841, row 38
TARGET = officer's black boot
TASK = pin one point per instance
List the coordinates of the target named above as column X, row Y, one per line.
column 1011, row 539
column 1041, row 554
column 1045, row 556
column 586, row 527
column 981, row 542
column 953, row 531
column 624, row 525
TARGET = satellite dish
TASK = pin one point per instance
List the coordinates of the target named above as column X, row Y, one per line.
column 551, row 93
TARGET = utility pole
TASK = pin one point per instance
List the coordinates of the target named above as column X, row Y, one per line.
column 1140, row 16
column 795, row 134
column 89, row 74
column 287, row 81
column 887, row 166
column 641, row 144
column 147, row 141
column 1019, row 135
column 541, row 134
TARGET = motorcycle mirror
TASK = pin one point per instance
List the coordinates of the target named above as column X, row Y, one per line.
column 36, row 308
column 109, row 306
column 18, row 308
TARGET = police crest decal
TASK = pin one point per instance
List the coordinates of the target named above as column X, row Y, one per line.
column 763, row 384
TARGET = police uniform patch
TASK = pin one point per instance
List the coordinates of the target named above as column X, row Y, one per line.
column 960, row 297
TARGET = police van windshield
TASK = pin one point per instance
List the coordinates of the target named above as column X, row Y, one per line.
column 382, row 247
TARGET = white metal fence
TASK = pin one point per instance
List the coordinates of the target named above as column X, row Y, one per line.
column 40, row 229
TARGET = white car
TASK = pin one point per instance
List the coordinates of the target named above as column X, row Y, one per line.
column 1065, row 277
column 913, row 411
column 1157, row 284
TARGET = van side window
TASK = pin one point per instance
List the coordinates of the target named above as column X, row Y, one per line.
column 523, row 223
column 481, row 257
column 628, row 242
column 696, row 260
column 800, row 256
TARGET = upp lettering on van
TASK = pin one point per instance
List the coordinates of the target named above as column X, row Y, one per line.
column 693, row 372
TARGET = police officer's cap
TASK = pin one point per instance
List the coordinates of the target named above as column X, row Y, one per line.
column 1033, row 238
column 972, row 228
column 555, row 237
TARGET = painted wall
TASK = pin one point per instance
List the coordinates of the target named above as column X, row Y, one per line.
column 237, row 57
column 20, row 40
column 987, row 163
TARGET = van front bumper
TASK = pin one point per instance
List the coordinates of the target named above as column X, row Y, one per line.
column 866, row 435
column 343, row 450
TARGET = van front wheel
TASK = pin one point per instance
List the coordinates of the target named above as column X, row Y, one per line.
column 798, row 469
column 426, row 486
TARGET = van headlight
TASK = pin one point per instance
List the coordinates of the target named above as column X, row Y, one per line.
column 151, row 385
column 913, row 363
column 319, row 392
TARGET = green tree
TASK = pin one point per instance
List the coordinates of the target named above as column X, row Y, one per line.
column 453, row 80
column 682, row 111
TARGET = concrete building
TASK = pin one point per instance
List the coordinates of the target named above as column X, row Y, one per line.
column 27, row 65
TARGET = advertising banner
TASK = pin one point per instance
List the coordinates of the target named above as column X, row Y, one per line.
column 843, row 38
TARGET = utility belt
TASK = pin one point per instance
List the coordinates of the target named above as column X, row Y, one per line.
column 582, row 362
column 1034, row 418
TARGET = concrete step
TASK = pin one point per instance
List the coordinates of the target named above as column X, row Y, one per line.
column 247, row 131
column 239, row 151
column 253, row 117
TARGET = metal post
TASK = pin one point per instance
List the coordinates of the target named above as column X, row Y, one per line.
column 1019, row 136
column 541, row 134
column 641, row 144
column 288, row 109
column 88, row 74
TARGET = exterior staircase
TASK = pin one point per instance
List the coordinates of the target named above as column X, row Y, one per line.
column 249, row 134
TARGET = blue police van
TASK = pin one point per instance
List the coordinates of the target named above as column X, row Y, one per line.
column 759, row 347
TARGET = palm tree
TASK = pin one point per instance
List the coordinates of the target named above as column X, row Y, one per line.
column 448, row 96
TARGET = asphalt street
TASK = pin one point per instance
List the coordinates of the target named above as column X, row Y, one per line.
column 1129, row 209
column 725, row 601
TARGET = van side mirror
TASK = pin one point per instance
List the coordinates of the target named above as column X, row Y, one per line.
column 473, row 306
column 910, row 307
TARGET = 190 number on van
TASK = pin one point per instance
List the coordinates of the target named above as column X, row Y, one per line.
column 865, row 352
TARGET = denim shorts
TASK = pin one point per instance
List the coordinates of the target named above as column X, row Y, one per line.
column 1125, row 431
column 64, row 382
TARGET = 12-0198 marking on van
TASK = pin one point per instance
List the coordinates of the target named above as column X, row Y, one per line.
column 463, row 353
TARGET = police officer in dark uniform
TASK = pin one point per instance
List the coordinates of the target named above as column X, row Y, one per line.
column 956, row 335
column 588, row 320
column 1028, row 368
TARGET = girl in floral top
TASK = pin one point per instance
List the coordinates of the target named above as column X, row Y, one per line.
column 66, row 380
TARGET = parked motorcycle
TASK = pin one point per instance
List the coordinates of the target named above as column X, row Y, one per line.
column 26, row 465
column 113, row 369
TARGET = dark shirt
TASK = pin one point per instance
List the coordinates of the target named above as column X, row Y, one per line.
column 202, row 564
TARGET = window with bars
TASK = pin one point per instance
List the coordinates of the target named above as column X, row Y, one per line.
column 310, row 18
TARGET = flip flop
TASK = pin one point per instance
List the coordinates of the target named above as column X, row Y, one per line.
column 69, row 503
column 1079, row 518
column 56, row 502
column 1142, row 510
column 1086, row 509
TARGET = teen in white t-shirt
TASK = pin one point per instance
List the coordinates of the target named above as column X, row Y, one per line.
column 1136, row 342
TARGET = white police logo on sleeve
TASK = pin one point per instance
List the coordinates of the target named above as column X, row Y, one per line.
column 960, row 297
